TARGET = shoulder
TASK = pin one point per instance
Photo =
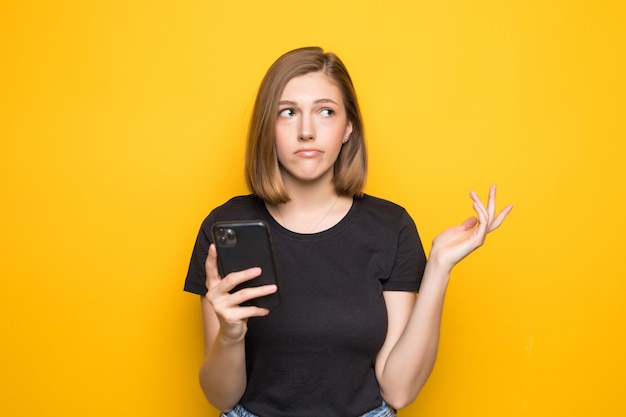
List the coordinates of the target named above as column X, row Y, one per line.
column 244, row 207
column 382, row 209
column 242, row 204
column 381, row 203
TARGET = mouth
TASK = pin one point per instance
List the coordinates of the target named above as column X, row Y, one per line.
column 308, row 152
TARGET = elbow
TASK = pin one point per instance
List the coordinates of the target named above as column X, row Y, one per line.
column 399, row 397
column 398, row 402
column 215, row 397
column 401, row 389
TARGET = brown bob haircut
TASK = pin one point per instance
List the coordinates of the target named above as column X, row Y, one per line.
column 262, row 171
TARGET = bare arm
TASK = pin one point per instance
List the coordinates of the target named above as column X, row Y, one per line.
column 223, row 370
column 408, row 355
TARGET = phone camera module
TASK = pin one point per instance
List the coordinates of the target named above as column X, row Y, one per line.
column 226, row 237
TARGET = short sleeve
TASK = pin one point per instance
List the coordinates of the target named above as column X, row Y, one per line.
column 196, row 275
column 410, row 260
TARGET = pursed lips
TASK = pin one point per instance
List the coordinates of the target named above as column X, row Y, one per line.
column 308, row 152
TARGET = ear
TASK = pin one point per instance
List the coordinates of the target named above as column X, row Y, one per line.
column 347, row 133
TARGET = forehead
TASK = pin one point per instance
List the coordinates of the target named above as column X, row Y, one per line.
column 314, row 85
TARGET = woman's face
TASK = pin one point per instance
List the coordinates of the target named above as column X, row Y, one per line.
column 311, row 127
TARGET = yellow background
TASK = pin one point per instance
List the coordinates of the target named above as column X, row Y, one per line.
column 122, row 124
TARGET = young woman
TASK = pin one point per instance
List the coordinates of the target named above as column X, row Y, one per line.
column 350, row 337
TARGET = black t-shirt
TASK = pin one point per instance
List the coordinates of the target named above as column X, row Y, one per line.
column 314, row 355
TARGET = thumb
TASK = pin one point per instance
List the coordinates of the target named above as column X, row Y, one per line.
column 212, row 273
column 469, row 223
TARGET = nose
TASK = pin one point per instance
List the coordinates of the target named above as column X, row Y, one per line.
column 307, row 132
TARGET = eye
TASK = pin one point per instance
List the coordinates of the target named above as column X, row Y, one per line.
column 286, row 113
column 327, row 112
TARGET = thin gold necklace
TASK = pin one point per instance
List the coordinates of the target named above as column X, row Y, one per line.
column 317, row 224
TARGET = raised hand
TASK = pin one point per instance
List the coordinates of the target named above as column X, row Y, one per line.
column 455, row 243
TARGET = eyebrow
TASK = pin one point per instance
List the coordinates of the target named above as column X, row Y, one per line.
column 321, row 100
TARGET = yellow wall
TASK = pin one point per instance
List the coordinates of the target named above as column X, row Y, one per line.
column 121, row 126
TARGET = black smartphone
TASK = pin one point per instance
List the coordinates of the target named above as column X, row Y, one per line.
column 247, row 244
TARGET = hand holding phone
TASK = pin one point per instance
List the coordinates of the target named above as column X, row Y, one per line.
column 246, row 244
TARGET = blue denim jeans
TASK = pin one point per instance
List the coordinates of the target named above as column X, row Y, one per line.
column 382, row 411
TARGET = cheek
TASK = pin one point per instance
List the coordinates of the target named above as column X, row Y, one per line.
column 280, row 137
column 283, row 130
column 280, row 143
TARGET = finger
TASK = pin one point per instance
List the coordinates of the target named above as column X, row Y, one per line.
column 230, row 308
column 479, row 207
column 500, row 217
column 235, row 278
column 250, row 293
column 235, row 315
column 491, row 203
column 483, row 215
column 210, row 265
column 483, row 222
column 220, row 295
column 469, row 223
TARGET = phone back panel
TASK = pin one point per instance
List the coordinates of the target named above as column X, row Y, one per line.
column 247, row 244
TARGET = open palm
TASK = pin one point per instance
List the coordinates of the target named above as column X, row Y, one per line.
column 455, row 243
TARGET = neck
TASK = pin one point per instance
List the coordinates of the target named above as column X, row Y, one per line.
column 313, row 207
column 309, row 194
